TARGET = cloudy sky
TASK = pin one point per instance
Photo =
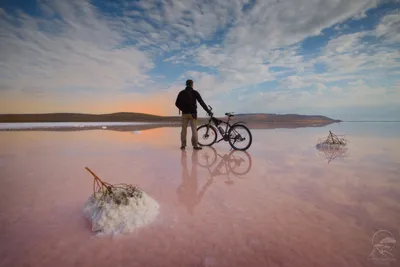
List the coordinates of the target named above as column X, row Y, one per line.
column 339, row 58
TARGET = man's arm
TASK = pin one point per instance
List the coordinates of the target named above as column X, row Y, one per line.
column 198, row 98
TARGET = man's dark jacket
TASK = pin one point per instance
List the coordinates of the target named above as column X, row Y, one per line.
column 186, row 101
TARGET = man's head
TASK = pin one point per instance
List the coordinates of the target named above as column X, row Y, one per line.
column 189, row 83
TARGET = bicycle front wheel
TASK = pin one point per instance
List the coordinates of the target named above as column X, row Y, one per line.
column 207, row 135
column 240, row 137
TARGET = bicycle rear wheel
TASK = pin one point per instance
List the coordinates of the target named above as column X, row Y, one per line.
column 240, row 137
column 207, row 135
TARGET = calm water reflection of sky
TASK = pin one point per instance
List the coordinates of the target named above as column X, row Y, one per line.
column 289, row 208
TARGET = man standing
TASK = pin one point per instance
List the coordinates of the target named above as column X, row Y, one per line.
column 186, row 102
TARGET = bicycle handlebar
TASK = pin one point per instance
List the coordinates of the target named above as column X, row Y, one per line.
column 210, row 114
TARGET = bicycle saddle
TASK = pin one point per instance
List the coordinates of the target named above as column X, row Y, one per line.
column 229, row 114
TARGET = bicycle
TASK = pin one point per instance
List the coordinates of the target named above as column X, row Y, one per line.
column 230, row 134
column 230, row 161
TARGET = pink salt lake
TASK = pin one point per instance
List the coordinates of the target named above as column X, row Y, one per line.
column 287, row 204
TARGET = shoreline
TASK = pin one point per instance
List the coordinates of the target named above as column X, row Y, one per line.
column 141, row 126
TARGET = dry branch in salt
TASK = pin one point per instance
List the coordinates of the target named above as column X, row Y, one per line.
column 332, row 141
column 333, row 146
column 118, row 208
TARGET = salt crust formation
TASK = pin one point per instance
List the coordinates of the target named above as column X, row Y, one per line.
column 117, row 209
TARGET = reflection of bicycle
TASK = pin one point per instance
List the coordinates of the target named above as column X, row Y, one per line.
column 236, row 134
column 232, row 163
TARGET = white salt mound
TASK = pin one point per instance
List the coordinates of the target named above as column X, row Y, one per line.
column 108, row 217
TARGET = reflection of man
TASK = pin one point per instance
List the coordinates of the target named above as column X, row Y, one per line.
column 187, row 191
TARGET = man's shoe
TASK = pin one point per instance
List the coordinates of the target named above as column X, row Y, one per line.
column 197, row 147
column 182, row 148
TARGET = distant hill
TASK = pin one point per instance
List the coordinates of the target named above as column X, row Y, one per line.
column 265, row 117
column 141, row 117
column 80, row 117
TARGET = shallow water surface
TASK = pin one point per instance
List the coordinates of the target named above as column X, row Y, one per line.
column 282, row 203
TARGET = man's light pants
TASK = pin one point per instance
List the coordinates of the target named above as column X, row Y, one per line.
column 186, row 120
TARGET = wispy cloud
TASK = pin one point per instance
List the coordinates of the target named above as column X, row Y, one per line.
column 389, row 28
column 73, row 48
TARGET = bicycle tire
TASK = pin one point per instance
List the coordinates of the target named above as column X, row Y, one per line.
column 214, row 133
column 249, row 134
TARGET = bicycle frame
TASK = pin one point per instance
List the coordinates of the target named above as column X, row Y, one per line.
column 218, row 122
